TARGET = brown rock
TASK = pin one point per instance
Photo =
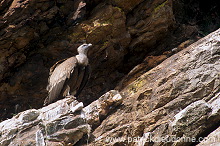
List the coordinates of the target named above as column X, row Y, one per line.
column 23, row 24
column 154, row 23
column 185, row 86
column 148, row 63
column 99, row 109
column 126, row 5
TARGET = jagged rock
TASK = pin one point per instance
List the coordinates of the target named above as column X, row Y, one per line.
column 55, row 123
column 63, row 122
column 177, row 99
column 98, row 110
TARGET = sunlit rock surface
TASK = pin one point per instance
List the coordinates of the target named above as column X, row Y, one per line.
column 54, row 123
column 63, row 122
column 177, row 99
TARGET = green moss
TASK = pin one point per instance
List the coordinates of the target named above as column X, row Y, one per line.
column 76, row 36
column 119, row 9
column 160, row 6
column 136, row 86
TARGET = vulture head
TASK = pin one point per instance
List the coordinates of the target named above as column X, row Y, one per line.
column 82, row 56
column 83, row 49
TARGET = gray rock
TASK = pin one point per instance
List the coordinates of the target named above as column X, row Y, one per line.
column 63, row 122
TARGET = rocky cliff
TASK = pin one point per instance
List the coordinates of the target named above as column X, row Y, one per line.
column 162, row 93
column 175, row 103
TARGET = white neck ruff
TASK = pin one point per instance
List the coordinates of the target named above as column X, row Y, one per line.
column 82, row 59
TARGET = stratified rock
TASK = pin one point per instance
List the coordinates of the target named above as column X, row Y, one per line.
column 56, row 123
column 64, row 122
column 177, row 99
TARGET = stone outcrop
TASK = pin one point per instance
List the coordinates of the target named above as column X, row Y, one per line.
column 64, row 122
column 52, row 124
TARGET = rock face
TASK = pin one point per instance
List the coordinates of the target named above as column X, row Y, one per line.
column 178, row 98
column 25, row 27
column 23, row 22
column 36, row 34
column 175, row 103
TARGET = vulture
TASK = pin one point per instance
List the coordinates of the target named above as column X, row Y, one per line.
column 69, row 76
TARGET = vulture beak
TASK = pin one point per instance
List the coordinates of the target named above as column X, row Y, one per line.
column 89, row 45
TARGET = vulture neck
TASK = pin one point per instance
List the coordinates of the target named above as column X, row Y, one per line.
column 82, row 59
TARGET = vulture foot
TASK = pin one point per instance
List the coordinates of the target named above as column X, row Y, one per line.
column 71, row 96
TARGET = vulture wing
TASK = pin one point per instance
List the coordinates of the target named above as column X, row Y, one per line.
column 58, row 77
column 55, row 65
column 85, row 78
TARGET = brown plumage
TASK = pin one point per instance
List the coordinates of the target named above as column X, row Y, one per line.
column 68, row 76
